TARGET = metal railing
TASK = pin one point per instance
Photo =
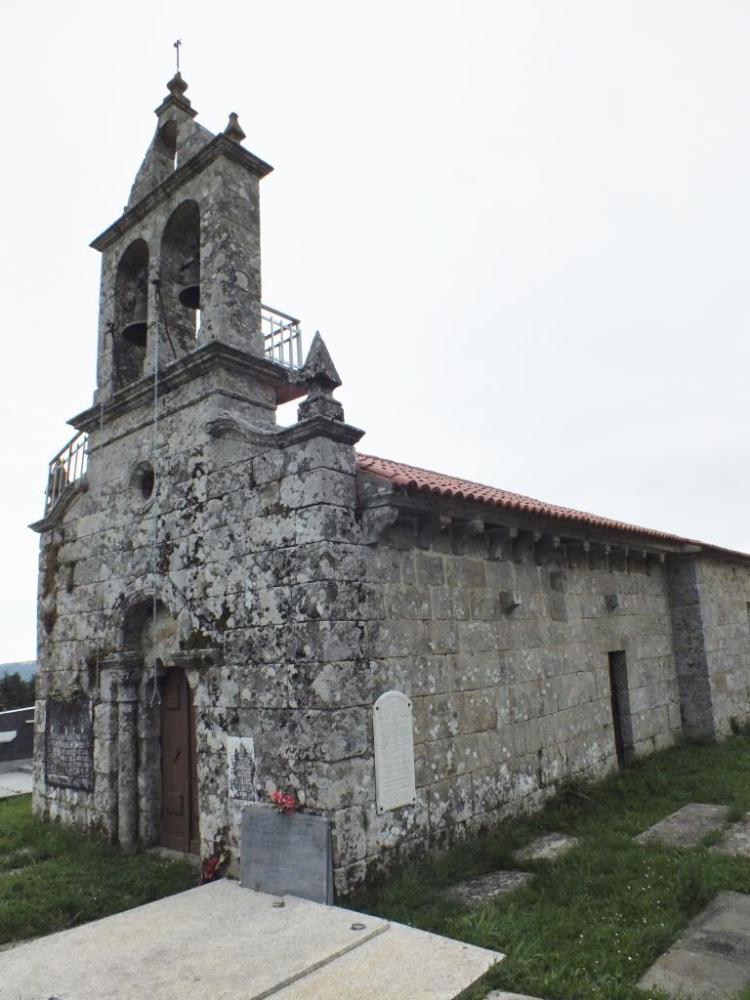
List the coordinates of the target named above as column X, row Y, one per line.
column 282, row 337
column 283, row 344
column 68, row 465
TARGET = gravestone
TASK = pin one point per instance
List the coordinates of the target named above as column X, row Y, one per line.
column 286, row 855
column 394, row 751
column 711, row 958
column 484, row 887
column 736, row 841
column 69, row 744
column 686, row 827
column 547, row 847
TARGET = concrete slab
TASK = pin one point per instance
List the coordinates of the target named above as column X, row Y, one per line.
column 401, row 964
column 736, row 840
column 711, row 960
column 686, row 827
column 546, row 848
column 15, row 783
column 484, row 887
column 219, row 940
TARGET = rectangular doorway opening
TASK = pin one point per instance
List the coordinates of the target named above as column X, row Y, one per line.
column 622, row 722
column 179, row 791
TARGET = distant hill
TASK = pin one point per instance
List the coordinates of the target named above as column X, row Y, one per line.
column 26, row 668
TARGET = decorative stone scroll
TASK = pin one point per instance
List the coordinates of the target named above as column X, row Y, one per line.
column 241, row 764
column 394, row 752
column 69, row 744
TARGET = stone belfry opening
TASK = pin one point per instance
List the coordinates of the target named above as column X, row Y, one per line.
column 179, row 283
column 131, row 311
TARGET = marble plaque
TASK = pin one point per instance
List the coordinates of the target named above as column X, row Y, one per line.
column 241, row 766
column 286, row 855
column 394, row 751
column 69, row 744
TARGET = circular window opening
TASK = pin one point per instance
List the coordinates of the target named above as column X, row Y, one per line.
column 143, row 481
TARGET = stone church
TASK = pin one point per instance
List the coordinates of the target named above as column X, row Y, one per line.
column 229, row 608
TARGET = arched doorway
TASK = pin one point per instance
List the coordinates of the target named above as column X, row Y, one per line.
column 179, row 781
column 157, row 764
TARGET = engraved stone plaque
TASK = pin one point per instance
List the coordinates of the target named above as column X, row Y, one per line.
column 69, row 744
column 241, row 763
column 394, row 751
column 286, row 855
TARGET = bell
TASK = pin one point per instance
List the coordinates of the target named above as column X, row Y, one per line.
column 190, row 279
column 134, row 331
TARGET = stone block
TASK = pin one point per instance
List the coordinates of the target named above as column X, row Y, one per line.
column 450, row 801
column 479, row 710
column 342, row 784
column 429, row 569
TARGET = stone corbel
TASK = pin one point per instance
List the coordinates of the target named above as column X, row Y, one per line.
column 509, row 601
column 464, row 532
column 375, row 520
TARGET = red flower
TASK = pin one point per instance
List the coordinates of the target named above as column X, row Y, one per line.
column 285, row 803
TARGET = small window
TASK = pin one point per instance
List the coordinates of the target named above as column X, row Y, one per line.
column 142, row 482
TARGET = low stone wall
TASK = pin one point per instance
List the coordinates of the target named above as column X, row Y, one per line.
column 20, row 722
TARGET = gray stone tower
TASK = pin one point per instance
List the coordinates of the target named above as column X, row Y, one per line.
column 184, row 567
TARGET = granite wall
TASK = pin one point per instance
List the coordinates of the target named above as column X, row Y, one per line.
column 507, row 662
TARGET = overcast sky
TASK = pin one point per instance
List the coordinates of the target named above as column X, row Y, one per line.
column 522, row 228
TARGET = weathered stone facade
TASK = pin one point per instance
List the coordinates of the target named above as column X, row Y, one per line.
column 294, row 582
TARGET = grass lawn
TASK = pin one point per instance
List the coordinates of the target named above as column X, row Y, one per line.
column 53, row 877
column 590, row 924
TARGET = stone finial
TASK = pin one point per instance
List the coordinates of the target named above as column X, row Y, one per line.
column 234, row 129
column 320, row 378
column 177, row 87
column 176, row 97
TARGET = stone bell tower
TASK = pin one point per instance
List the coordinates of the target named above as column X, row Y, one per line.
column 188, row 543
column 181, row 266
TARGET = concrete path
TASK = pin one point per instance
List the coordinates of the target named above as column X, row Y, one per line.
column 687, row 827
column 711, row 960
column 15, row 783
column 228, row 943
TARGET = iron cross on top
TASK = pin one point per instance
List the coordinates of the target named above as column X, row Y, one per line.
column 177, row 45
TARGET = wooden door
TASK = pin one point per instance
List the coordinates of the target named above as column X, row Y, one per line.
column 179, row 799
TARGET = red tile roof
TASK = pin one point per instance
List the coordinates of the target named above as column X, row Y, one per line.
column 418, row 480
